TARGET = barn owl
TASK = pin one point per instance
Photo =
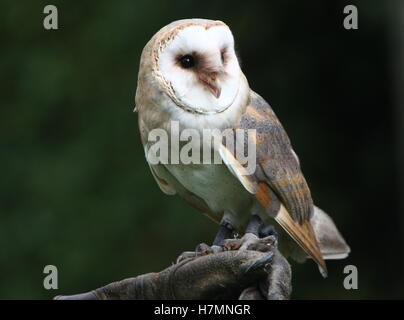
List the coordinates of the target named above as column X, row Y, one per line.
column 189, row 73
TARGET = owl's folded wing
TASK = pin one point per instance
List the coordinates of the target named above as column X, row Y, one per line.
column 277, row 171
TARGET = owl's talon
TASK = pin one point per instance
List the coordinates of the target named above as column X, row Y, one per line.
column 241, row 244
column 201, row 249
column 248, row 240
column 204, row 249
column 187, row 255
column 232, row 244
column 264, row 244
column 252, row 242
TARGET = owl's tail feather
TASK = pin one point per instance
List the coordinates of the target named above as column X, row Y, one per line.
column 304, row 235
column 331, row 242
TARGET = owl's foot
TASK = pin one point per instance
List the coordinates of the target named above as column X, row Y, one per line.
column 257, row 236
column 251, row 241
column 201, row 249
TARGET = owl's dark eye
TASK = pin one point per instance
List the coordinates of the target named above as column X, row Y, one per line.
column 187, row 61
column 222, row 55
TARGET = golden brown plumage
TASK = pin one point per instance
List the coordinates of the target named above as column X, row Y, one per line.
column 278, row 174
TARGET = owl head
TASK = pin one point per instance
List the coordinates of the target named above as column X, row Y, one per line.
column 194, row 63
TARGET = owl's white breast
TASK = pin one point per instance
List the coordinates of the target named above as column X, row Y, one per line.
column 221, row 191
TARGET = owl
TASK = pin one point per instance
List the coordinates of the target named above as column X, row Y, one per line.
column 190, row 75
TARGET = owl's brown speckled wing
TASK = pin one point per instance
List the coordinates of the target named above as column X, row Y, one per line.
column 278, row 172
column 277, row 163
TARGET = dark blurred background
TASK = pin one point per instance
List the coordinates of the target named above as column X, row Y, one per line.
column 75, row 190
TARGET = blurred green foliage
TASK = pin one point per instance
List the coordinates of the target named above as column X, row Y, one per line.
column 75, row 190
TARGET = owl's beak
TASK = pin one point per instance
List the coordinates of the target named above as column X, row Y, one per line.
column 211, row 82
